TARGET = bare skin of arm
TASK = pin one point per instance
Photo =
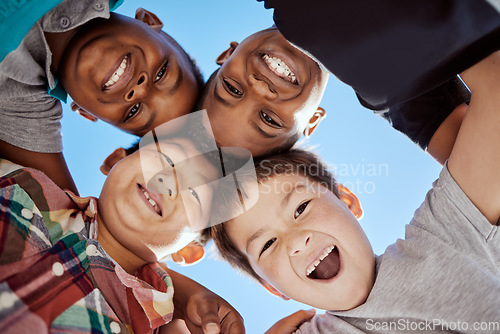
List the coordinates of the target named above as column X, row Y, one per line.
column 441, row 143
column 52, row 164
column 475, row 157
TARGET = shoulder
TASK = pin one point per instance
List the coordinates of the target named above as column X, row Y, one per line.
column 447, row 212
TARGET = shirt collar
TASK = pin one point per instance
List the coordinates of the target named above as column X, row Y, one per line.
column 151, row 286
column 153, row 290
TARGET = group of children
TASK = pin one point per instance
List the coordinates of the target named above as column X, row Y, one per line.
column 74, row 264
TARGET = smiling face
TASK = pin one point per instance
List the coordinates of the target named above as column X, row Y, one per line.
column 265, row 93
column 302, row 239
column 153, row 202
column 128, row 73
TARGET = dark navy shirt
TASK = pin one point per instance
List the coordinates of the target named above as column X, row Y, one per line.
column 392, row 52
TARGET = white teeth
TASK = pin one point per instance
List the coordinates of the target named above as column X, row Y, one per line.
column 324, row 254
column 279, row 67
column 118, row 73
column 150, row 200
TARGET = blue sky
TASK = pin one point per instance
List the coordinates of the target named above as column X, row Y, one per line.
column 387, row 171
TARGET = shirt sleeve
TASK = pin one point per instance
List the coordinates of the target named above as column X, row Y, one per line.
column 449, row 214
column 29, row 116
column 419, row 118
column 32, row 131
column 328, row 323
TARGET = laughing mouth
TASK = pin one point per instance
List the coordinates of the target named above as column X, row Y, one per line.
column 115, row 77
column 326, row 266
column 280, row 68
column 150, row 200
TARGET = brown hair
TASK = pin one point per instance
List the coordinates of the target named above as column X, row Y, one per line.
column 297, row 162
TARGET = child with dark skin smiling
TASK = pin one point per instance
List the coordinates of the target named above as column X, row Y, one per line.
column 266, row 94
column 275, row 88
column 267, row 90
column 125, row 71
column 302, row 239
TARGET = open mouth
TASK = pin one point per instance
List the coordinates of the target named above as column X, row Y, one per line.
column 117, row 74
column 326, row 266
column 151, row 202
column 280, row 68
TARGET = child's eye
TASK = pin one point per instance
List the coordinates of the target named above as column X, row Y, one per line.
column 267, row 245
column 169, row 161
column 161, row 72
column 231, row 89
column 135, row 108
column 195, row 194
column 269, row 120
column 300, row 209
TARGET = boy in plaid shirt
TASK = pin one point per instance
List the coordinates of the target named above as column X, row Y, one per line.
column 72, row 264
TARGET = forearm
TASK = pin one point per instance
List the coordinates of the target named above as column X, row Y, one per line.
column 52, row 164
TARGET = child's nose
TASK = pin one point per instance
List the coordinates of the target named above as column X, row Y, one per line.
column 262, row 87
column 139, row 90
column 164, row 184
column 297, row 243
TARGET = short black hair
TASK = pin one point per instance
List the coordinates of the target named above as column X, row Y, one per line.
column 204, row 94
column 200, row 82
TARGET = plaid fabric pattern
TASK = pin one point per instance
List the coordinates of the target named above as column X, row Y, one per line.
column 55, row 276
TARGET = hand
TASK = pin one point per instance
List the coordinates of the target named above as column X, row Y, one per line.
column 202, row 310
column 208, row 313
column 291, row 323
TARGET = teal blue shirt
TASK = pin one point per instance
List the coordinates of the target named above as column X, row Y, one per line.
column 23, row 14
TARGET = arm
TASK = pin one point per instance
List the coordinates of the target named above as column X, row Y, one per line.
column 52, row 164
column 202, row 310
column 475, row 157
column 442, row 141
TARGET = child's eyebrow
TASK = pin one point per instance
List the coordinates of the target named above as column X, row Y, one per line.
column 254, row 236
column 219, row 98
column 287, row 197
column 259, row 130
column 177, row 83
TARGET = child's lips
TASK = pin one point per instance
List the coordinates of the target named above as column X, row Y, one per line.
column 119, row 76
column 152, row 200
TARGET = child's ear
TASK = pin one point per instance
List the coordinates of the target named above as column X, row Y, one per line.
column 350, row 200
column 82, row 112
column 112, row 159
column 226, row 53
column 314, row 121
column 190, row 254
column 273, row 290
column 149, row 18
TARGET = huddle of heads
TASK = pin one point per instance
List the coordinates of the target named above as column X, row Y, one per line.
column 196, row 174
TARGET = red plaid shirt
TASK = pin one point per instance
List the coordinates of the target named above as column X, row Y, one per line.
column 55, row 276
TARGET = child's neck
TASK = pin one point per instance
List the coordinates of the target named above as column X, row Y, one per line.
column 126, row 259
column 58, row 41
